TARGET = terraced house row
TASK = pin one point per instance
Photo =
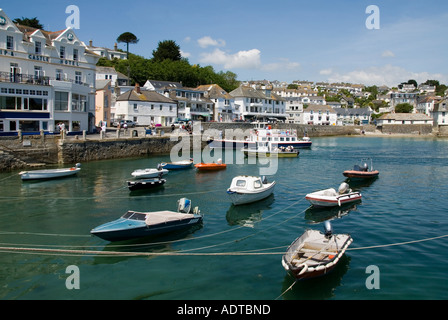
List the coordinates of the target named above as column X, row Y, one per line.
column 46, row 78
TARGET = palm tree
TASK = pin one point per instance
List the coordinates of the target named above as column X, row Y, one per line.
column 128, row 38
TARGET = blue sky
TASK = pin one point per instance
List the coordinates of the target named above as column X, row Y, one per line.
column 281, row 40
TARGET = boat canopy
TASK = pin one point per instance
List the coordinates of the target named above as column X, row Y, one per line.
column 246, row 183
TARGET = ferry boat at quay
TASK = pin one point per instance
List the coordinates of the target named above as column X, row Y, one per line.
column 279, row 137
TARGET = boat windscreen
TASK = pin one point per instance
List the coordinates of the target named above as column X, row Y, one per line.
column 134, row 216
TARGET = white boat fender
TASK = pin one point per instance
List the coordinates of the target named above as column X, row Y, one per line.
column 304, row 268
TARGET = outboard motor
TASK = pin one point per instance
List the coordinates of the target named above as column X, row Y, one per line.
column 184, row 205
column 328, row 229
column 343, row 188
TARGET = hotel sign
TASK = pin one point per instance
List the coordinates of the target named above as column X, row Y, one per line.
column 38, row 58
column 45, row 59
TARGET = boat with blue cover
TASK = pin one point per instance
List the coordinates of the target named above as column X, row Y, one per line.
column 133, row 225
column 177, row 165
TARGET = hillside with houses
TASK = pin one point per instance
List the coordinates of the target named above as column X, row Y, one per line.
column 53, row 80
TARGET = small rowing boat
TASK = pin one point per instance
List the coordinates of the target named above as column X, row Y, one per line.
column 50, row 173
column 315, row 254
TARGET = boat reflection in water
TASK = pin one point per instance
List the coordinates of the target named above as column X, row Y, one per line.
column 316, row 215
column 248, row 214
column 320, row 288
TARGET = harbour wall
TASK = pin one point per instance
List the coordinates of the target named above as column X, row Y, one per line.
column 23, row 152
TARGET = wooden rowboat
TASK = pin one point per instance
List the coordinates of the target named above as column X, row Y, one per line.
column 315, row 254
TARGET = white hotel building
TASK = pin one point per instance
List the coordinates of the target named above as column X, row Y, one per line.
column 46, row 78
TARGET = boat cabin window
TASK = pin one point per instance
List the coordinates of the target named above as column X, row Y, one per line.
column 241, row 183
column 134, row 216
column 257, row 184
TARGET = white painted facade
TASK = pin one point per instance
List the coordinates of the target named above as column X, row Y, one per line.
column 46, row 78
column 146, row 108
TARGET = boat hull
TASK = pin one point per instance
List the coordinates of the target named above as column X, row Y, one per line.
column 320, row 199
column 177, row 165
column 124, row 229
column 147, row 174
column 239, row 198
column 361, row 174
column 210, row 166
column 267, row 154
column 238, row 144
column 48, row 174
column 313, row 255
column 146, row 184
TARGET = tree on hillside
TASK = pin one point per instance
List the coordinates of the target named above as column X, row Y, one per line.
column 127, row 38
column 29, row 22
column 403, row 108
column 167, row 49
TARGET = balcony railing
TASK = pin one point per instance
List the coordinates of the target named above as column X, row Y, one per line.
column 32, row 79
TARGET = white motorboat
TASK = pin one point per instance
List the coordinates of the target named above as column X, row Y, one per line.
column 262, row 133
column 315, row 254
column 331, row 198
column 248, row 189
column 50, row 173
column 268, row 149
column 149, row 173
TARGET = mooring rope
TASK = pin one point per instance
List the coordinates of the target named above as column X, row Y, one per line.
column 185, row 252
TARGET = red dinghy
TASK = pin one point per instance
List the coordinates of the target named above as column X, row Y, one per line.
column 362, row 171
column 211, row 166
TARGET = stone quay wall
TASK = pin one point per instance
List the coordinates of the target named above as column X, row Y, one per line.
column 23, row 152
column 94, row 150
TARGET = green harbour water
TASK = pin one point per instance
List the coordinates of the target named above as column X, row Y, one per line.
column 399, row 227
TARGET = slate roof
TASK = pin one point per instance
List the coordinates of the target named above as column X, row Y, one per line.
column 144, row 95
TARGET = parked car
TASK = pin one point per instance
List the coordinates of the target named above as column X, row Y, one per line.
column 130, row 123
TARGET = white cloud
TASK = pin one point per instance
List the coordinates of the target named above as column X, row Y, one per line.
column 386, row 75
column 207, row 41
column 326, row 72
column 185, row 54
column 388, row 54
column 242, row 59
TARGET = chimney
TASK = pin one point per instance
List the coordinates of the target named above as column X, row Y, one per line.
column 90, row 43
column 137, row 88
column 115, row 46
